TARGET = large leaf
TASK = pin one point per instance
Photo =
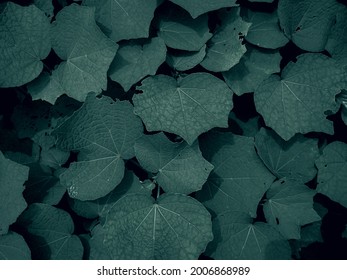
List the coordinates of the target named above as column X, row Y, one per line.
column 173, row 227
column 86, row 51
column 179, row 168
column 265, row 31
column 197, row 7
column 123, row 19
column 307, row 22
column 188, row 107
column 293, row 159
column 12, row 203
column 238, row 238
column 332, row 172
column 134, row 61
column 254, row 67
column 104, row 132
column 24, row 43
column 239, row 179
column 289, row 206
column 14, row 247
column 180, row 31
column 49, row 233
column 300, row 100
column 225, row 48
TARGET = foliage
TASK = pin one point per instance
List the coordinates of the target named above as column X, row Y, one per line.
column 170, row 129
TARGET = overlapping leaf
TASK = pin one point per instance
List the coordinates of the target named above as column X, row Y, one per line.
column 225, row 48
column 49, row 233
column 300, row 100
column 188, row 106
column 289, row 206
column 14, row 247
column 179, row 168
column 332, row 172
column 265, row 31
column 184, row 60
column 173, row 227
column 104, row 133
column 134, row 61
column 254, row 67
column 239, row 179
column 12, row 203
column 197, row 7
column 307, row 22
column 24, row 42
column 180, row 31
column 237, row 238
column 86, row 51
column 123, row 19
column 292, row 160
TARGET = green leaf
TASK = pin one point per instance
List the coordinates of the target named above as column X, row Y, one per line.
column 188, row 107
column 337, row 41
column 46, row 6
column 25, row 41
column 239, row 179
column 135, row 61
column 179, row 168
column 237, row 238
column 49, row 233
column 226, row 47
column 123, row 19
column 100, row 207
column 197, row 7
column 12, row 203
column 307, row 22
column 14, row 247
column 43, row 186
column 300, row 100
column 184, row 60
column 180, row 31
column 332, row 172
column 261, row 1
column 254, row 67
column 294, row 159
column 86, row 51
column 46, row 87
column 265, row 31
column 289, row 206
column 98, row 250
column 104, row 132
column 247, row 128
column 173, row 227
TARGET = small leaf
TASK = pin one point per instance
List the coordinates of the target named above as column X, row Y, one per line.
column 289, row 206
column 293, row 159
column 237, row 238
column 180, row 31
column 12, row 203
column 332, row 172
column 86, row 51
column 254, row 67
column 239, row 179
column 14, row 247
column 24, row 43
column 265, row 31
column 104, row 132
column 300, row 100
column 197, row 7
column 226, row 48
column 173, row 227
column 49, row 233
column 134, row 61
column 179, row 168
column 188, row 107
column 123, row 19
column 184, row 60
